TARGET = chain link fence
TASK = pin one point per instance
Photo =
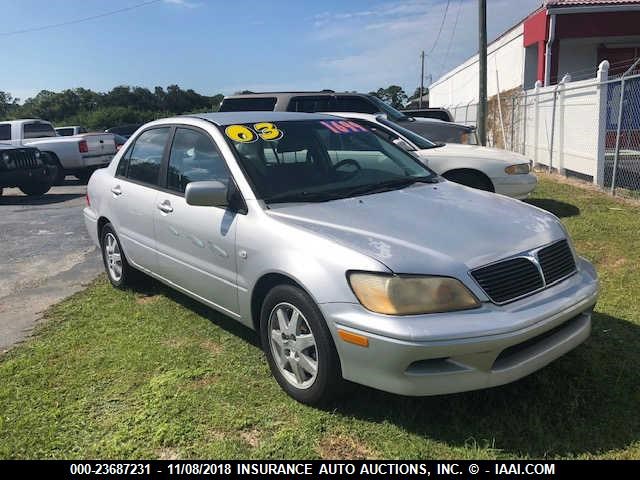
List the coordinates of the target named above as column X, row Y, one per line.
column 622, row 151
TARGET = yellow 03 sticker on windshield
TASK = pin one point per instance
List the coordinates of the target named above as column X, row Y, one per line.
column 268, row 131
column 240, row 133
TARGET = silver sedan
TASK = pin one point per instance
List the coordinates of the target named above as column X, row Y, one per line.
column 352, row 259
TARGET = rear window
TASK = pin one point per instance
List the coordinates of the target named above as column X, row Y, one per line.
column 251, row 104
column 37, row 130
column 5, row 132
column 64, row 132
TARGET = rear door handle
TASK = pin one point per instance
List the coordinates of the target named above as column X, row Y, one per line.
column 165, row 207
column 117, row 191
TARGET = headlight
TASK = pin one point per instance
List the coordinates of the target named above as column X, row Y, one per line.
column 410, row 295
column 519, row 169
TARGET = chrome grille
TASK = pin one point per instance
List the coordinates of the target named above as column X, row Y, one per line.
column 22, row 159
column 556, row 261
column 509, row 280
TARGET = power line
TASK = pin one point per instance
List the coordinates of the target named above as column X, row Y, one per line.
column 444, row 17
column 79, row 20
column 453, row 33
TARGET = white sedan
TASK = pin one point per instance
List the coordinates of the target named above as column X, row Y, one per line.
column 484, row 168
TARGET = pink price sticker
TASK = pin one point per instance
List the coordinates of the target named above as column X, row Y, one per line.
column 343, row 126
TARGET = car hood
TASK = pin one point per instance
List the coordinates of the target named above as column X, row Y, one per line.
column 474, row 151
column 444, row 228
column 14, row 146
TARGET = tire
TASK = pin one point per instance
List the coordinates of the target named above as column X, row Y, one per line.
column 35, row 189
column 287, row 348
column 60, row 174
column 84, row 176
column 110, row 245
column 470, row 179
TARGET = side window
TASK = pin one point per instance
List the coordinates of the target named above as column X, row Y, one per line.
column 194, row 158
column 355, row 104
column 146, row 155
column 5, row 132
column 311, row 104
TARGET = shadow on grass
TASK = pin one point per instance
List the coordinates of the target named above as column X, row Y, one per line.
column 150, row 287
column 583, row 403
column 559, row 209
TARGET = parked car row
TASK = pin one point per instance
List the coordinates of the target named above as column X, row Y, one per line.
column 334, row 239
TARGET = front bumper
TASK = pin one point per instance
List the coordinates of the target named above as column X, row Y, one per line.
column 515, row 186
column 447, row 353
column 19, row 177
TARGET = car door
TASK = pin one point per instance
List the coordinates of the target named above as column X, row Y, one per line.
column 196, row 245
column 133, row 196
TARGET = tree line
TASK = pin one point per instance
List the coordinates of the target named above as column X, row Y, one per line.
column 125, row 104
column 100, row 110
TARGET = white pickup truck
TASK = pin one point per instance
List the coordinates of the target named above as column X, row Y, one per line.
column 75, row 155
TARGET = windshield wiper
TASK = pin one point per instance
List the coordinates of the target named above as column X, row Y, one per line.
column 388, row 185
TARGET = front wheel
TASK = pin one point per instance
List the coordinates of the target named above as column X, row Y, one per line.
column 35, row 189
column 298, row 346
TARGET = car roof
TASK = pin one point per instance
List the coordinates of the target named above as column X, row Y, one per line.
column 329, row 93
column 229, row 118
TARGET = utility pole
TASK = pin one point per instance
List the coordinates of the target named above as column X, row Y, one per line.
column 482, row 57
column 421, row 81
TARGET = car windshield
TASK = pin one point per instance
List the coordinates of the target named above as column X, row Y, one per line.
column 413, row 137
column 321, row 160
column 391, row 112
column 446, row 132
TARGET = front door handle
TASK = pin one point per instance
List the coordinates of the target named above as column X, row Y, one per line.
column 116, row 191
column 165, row 207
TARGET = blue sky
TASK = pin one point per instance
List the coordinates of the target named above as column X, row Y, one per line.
column 214, row 46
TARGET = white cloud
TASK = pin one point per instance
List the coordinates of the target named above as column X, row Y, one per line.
column 183, row 3
column 381, row 46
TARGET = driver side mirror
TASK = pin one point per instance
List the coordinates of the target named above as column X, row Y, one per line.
column 207, row 194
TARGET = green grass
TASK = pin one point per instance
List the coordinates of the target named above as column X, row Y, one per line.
column 149, row 373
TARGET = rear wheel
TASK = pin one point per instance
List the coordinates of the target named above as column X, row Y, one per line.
column 35, row 189
column 298, row 346
column 120, row 273
column 471, row 179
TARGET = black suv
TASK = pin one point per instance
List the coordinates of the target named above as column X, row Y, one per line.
column 27, row 168
column 322, row 101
